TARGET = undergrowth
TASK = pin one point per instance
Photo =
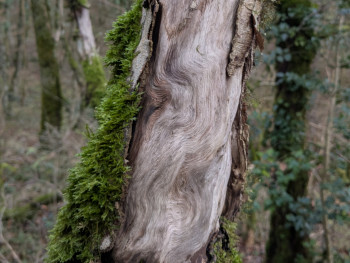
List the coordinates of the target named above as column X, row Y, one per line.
column 95, row 184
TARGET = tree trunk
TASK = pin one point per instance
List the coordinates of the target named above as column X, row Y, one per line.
column 51, row 103
column 189, row 142
column 285, row 242
column 327, row 147
column 187, row 149
column 91, row 61
column 16, row 62
column 82, row 15
column 5, row 50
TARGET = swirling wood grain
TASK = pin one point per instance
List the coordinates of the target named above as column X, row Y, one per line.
column 186, row 135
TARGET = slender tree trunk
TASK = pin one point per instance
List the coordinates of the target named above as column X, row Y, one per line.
column 3, row 80
column 328, row 136
column 82, row 15
column 17, row 60
column 91, row 61
column 285, row 243
column 49, row 71
column 24, row 58
column 78, row 84
column 6, row 54
column 58, row 16
column 189, row 142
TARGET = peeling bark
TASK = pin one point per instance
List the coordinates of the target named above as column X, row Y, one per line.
column 189, row 143
column 140, row 67
column 244, row 34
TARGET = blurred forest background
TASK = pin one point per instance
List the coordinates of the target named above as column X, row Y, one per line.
column 299, row 115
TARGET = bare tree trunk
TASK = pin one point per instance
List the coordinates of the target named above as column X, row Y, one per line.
column 17, row 60
column 285, row 242
column 49, row 70
column 82, row 15
column 91, row 61
column 58, row 15
column 5, row 50
column 188, row 147
column 328, row 136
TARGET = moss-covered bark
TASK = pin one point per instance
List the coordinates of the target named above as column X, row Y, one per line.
column 285, row 243
column 51, row 96
column 96, row 183
column 224, row 249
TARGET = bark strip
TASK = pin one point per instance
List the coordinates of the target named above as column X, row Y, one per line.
column 245, row 34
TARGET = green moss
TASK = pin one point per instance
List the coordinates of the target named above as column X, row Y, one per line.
column 225, row 249
column 95, row 80
column 95, row 184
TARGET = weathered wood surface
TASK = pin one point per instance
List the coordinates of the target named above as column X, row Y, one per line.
column 188, row 132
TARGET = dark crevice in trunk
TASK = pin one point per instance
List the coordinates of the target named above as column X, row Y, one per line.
column 155, row 28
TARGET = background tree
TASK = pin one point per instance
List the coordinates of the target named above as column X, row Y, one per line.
column 91, row 61
column 288, row 134
column 51, row 97
column 32, row 178
column 9, row 97
column 273, row 173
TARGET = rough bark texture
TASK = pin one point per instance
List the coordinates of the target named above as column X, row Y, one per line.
column 51, row 89
column 189, row 142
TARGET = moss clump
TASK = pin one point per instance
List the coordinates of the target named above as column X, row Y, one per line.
column 95, row 80
column 225, row 248
column 95, row 184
